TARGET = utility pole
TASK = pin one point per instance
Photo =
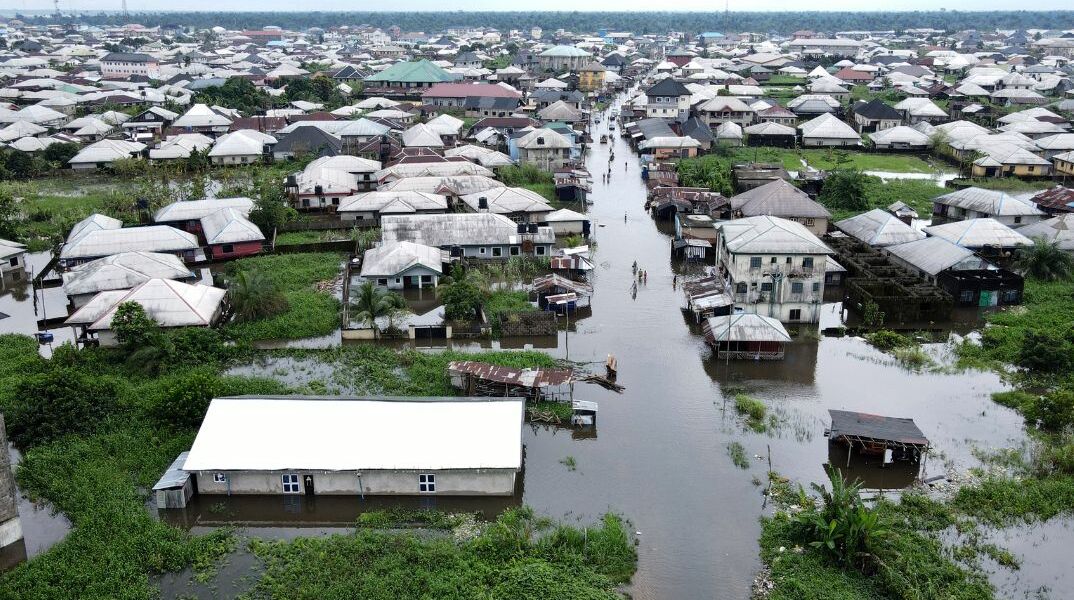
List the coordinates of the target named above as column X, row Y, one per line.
column 126, row 13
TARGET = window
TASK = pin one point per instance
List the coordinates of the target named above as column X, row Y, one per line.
column 755, row 262
column 1009, row 296
column 540, row 250
column 816, row 287
column 382, row 281
column 766, row 286
column 965, row 296
column 227, row 248
column 740, row 288
column 219, row 478
column 514, row 251
column 427, row 483
column 772, row 260
column 797, row 287
column 789, row 260
column 807, row 263
column 796, row 314
column 1017, row 220
column 290, row 483
column 14, row 261
column 497, row 251
column 482, row 251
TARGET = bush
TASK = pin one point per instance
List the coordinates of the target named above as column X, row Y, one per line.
column 198, row 346
column 185, row 398
column 1044, row 351
column 887, row 340
column 61, row 401
column 844, row 189
column 132, row 326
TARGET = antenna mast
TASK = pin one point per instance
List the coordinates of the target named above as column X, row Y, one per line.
column 125, row 12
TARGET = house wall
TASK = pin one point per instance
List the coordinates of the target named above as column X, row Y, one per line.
column 112, row 68
column 1063, row 167
column 781, row 300
column 397, row 281
column 547, row 159
column 566, row 227
column 238, row 250
column 13, row 263
column 828, row 142
column 244, row 159
column 461, row 482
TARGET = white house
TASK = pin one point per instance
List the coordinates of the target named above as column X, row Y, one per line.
column 400, row 265
column 316, row 445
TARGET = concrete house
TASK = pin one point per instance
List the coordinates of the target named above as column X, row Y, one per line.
column 975, row 202
column 668, row 99
column 317, row 445
column 875, row 115
column 780, row 198
column 98, row 236
column 12, row 256
column 403, row 265
column 123, row 65
column 369, row 208
column 775, row 267
column 545, row 148
column 326, row 181
column 121, row 271
column 518, row 204
column 827, row 130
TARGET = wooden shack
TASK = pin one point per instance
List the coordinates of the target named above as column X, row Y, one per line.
column 175, row 487
column 483, row 379
column 894, row 438
column 746, row 336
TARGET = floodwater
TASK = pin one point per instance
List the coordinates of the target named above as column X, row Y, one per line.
column 940, row 177
column 42, row 526
column 659, row 454
column 1043, row 554
column 20, row 311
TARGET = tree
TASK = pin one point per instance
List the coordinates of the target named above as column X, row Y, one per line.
column 844, row 189
column 1044, row 261
column 254, row 296
column 185, row 398
column 58, row 402
column 462, row 294
column 1045, row 352
column 9, row 214
column 132, row 327
column 271, row 210
column 59, row 154
column 373, row 302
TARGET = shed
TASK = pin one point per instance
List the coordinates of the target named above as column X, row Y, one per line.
column 484, row 379
column 894, row 437
column 745, row 336
column 175, row 488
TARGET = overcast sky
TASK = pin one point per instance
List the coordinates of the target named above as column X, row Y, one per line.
column 590, row 5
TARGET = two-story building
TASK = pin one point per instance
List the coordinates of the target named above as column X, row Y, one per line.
column 668, row 99
column 775, row 267
column 123, row 65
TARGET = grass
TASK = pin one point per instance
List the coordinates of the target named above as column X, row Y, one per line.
column 916, row 193
column 1010, row 184
column 289, row 238
column 785, row 80
column 738, row 455
column 505, row 302
column 548, row 190
column 827, row 159
column 311, row 312
column 570, row 463
column 753, row 410
column 100, row 480
column 518, row 556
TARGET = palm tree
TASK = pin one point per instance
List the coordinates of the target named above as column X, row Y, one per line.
column 372, row 302
column 253, row 296
column 1044, row 261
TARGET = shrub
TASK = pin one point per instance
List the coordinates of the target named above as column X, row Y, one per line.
column 887, row 340
column 132, row 326
column 61, row 401
column 1045, row 352
column 185, row 398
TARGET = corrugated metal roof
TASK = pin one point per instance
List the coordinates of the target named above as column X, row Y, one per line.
column 192, row 210
column 745, row 327
column 876, row 427
column 105, row 242
column 879, row 228
column 978, row 233
column 123, row 271
column 354, row 434
column 392, row 258
column 769, row 235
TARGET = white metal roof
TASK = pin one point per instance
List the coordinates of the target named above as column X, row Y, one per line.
column 508, row 200
column 229, row 226
column 123, row 271
column 192, row 210
column 747, row 327
column 978, row 233
column 463, row 229
column 990, row 202
column 421, row 135
column 105, row 242
column 879, row 228
column 355, row 434
column 392, row 258
column 1058, row 230
column 828, row 126
column 769, row 235
column 933, row 254
column 169, row 303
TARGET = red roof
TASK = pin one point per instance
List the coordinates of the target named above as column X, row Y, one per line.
column 469, row 90
column 848, row 74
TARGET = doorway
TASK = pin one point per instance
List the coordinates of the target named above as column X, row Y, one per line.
column 307, row 483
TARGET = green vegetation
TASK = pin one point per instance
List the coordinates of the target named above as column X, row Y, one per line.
column 844, row 190
column 291, row 238
column 738, row 455
column 834, row 546
column 110, row 430
column 519, row 556
column 253, row 296
column 531, row 178
column 463, row 292
column 1008, row 184
column 1044, row 261
column 753, row 410
column 785, row 80
column 310, row 311
column 570, row 463
column 505, row 302
column 372, row 302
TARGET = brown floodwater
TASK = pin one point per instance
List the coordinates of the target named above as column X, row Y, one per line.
column 659, row 454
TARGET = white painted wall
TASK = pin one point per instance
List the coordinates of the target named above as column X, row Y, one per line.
column 468, row 482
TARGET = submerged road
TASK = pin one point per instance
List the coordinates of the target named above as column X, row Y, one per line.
column 660, row 456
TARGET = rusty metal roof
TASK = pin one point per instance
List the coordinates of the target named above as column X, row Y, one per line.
column 536, row 378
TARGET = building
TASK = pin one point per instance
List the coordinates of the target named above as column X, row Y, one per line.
column 98, row 236
column 124, row 65
column 746, row 336
column 968, row 278
column 591, row 77
column 667, row 99
column 403, row 265
column 875, row 115
column 775, row 267
column 780, row 198
column 471, row 235
column 827, row 130
column 544, row 148
column 563, row 58
column 407, row 78
column 975, row 203
column 457, row 95
column 229, row 234
column 121, row 271
column 12, row 256
column 518, row 204
column 317, row 445
column 879, row 228
column 369, row 208
column 169, row 303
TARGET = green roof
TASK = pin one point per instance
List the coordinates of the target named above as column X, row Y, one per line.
column 421, row 71
column 565, row 51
